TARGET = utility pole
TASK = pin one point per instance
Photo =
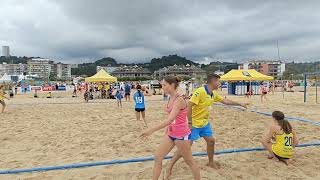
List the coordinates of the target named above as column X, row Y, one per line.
column 280, row 70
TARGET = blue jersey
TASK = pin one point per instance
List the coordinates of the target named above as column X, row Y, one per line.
column 118, row 95
column 127, row 88
column 139, row 100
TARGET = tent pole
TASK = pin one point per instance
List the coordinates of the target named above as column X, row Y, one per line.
column 242, row 93
column 250, row 88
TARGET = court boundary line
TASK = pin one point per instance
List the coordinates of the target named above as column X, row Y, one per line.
column 270, row 114
column 134, row 160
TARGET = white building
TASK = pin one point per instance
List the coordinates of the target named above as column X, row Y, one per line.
column 74, row 65
column 6, row 51
column 131, row 72
column 220, row 73
column 40, row 67
column 270, row 68
column 61, row 71
column 109, row 69
column 12, row 69
column 180, row 70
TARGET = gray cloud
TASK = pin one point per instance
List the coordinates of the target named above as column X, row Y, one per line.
column 79, row 30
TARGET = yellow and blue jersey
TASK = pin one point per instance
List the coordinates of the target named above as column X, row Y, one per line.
column 203, row 100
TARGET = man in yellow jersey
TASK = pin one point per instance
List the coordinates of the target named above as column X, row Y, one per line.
column 198, row 116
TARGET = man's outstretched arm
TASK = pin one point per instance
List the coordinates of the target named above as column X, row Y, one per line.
column 234, row 103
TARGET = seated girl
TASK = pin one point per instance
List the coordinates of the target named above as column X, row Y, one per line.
column 281, row 138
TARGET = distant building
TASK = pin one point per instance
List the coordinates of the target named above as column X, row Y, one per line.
column 13, row 69
column 182, row 71
column 108, row 69
column 74, row 65
column 270, row 68
column 6, row 51
column 40, row 67
column 61, row 71
column 220, row 73
column 131, row 71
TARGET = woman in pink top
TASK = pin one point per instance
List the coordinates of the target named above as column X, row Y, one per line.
column 177, row 130
column 264, row 92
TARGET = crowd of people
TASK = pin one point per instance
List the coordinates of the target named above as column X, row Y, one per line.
column 116, row 91
column 266, row 88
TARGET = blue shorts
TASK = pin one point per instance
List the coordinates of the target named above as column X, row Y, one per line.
column 205, row 131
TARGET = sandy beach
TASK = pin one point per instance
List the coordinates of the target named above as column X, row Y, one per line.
column 64, row 130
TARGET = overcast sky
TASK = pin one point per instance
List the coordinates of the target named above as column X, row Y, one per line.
column 127, row 30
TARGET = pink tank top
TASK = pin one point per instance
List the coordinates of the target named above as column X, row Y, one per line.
column 179, row 127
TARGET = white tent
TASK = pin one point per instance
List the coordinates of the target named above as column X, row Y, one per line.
column 5, row 78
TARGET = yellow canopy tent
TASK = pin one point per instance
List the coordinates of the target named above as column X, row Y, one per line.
column 245, row 75
column 101, row 76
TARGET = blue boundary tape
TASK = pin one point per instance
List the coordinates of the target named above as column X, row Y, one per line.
column 269, row 114
column 150, row 158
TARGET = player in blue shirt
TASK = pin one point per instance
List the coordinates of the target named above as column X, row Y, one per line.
column 140, row 106
column 127, row 90
column 119, row 97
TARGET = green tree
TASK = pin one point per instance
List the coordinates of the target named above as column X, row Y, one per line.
column 52, row 77
column 164, row 61
column 90, row 69
column 295, row 70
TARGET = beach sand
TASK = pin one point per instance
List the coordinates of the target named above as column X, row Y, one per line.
column 63, row 130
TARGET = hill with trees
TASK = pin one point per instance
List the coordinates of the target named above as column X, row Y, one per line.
column 296, row 70
column 14, row 60
column 155, row 64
